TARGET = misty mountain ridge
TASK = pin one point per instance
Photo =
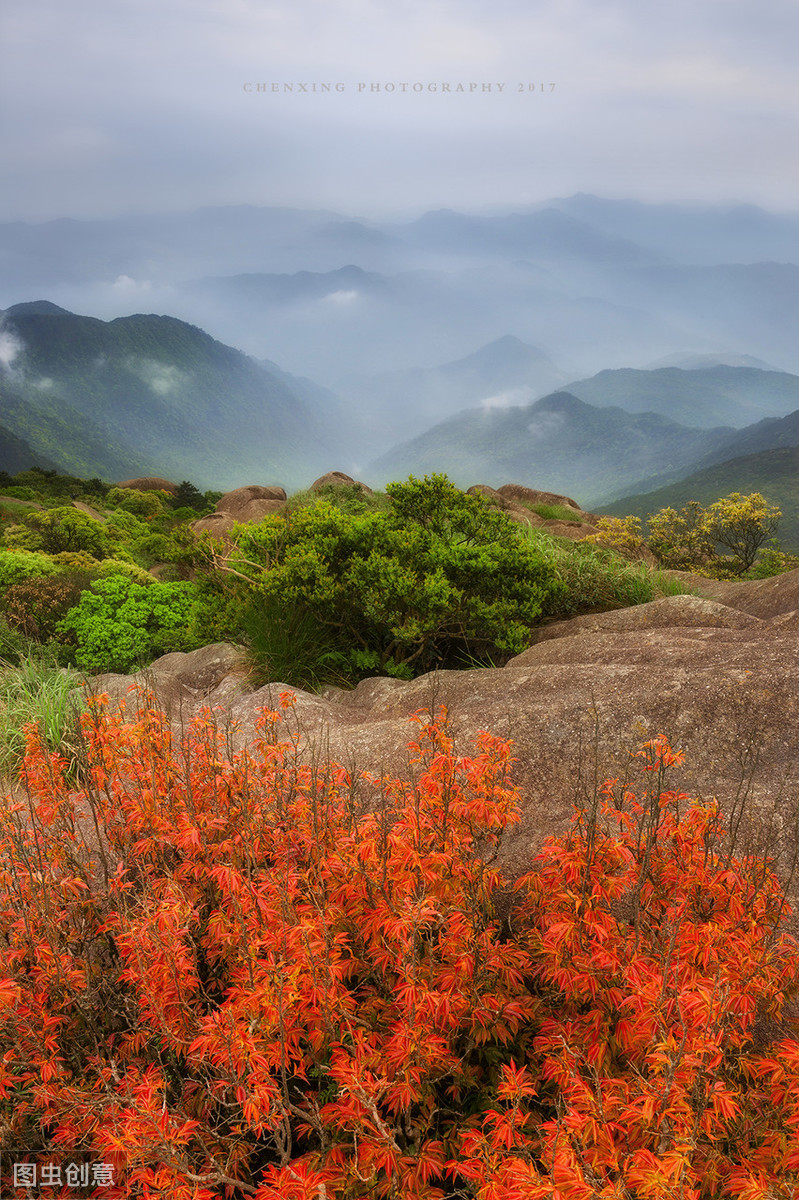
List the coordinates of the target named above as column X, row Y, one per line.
column 505, row 371
column 702, row 397
column 543, row 236
column 594, row 283
column 149, row 394
column 697, row 362
column 562, row 443
column 442, row 342
column 334, row 325
column 705, row 234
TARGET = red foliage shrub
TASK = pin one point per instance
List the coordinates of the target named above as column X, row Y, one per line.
column 241, row 975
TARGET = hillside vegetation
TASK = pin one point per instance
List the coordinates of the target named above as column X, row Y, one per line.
column 243, row 974
column 338, row 585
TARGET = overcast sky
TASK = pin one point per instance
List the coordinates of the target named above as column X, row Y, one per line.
column 119, row 106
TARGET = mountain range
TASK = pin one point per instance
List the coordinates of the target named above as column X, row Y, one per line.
column 583, row 345
column 560, row 442
column 593, row 283
column 150, row 394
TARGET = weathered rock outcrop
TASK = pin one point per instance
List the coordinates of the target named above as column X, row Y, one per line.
column 719, row 679
column 250, row 503
column 182, row 682
column 515, row 501
column 150, row 483
column 338, row 479
column 517, row 493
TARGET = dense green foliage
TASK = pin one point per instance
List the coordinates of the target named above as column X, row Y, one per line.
column 61, row 530
column 595, row 578
column 436, row 578
column 48, row 486
column 118, row 624
column 18, row 565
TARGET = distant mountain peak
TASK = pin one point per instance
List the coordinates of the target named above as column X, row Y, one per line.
column 37, row 308
column 564, row 402
column 505, row 350
column 698, row 362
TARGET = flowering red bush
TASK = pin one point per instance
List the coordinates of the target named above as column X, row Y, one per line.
column 241, row 975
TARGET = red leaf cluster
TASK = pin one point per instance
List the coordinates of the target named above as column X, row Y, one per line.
column 239, row 974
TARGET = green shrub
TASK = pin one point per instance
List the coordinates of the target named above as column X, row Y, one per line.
column 19, row 493
column 290, row 647
column 19, row 565
column 222, row 600
column 119, row 624
column 68, row 529
column 77, row 560
column 126, row 523
column 139, row 504
column 151, row 548
column 772, row 561
column 131, row 570
column 185, row 513
column 20, row 536
column 437, row 578
column 346, row 497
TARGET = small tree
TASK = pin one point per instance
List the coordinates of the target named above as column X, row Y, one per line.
column 742, row 524
column 689, row 540
column 680, row 539
column 68, row 529
column 189, row 496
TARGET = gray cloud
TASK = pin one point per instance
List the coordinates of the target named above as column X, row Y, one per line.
column 140, row 105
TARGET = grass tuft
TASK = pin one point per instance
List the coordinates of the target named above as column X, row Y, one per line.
column 597, row 578
column 35, row 690
column 291, row 647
